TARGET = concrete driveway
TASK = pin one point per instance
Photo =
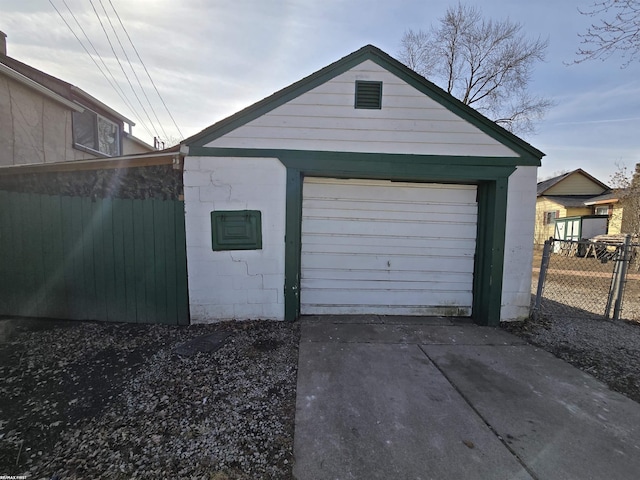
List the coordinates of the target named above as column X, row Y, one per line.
column 433, row 398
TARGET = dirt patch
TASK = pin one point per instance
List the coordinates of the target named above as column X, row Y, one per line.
column 95, row 400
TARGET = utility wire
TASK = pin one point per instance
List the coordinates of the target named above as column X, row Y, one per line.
column 89, row 53
column 122, row 68
column 113, row 84
column 133, row 70
column 147, row 71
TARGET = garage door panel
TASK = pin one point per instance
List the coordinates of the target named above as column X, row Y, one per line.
column 410, row 229
column 447, row 250
column 321, row 208
column 435, row 264
column 417, row 310
column 314, row 242
column 394, row 298
column 448, row 214
column 396, row 276
column 385, row 285
column 387, row 247
column 324, row 188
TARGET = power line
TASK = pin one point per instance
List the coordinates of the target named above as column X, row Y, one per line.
column 133, row 70
column 122, row 68
column 91, row 56
column 147, row 71
column 113, row 85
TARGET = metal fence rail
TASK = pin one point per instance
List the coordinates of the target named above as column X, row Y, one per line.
column 587, row 279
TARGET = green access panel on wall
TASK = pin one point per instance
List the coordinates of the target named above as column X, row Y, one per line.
column 236, row 230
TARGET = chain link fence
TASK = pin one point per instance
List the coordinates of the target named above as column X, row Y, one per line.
column 587, row 279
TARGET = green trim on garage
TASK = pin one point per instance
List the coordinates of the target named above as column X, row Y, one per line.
column 489, row 173
column 302, row 157
column 292, row 245
column 489, row 263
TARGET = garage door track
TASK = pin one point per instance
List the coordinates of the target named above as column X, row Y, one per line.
column 433, row 398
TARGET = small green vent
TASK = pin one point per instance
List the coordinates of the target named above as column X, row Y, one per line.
column 369, row 95
column 236, row 230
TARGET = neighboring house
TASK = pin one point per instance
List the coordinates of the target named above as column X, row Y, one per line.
column 361, row 189
column 574, row 194
column 44, row 119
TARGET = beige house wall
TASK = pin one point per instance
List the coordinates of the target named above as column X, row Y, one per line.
column 543, row 232
column 576, row 184
column 132, row 147
column 578, row 211
column 37, row 129
column 33, row 128
column 615, row 220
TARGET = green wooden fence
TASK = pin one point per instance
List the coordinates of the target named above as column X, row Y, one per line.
column 115, row 260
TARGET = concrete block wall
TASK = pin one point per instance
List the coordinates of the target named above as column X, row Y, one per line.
column 236, row 284
column 518, row 249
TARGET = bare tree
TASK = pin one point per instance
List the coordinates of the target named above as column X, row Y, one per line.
column 484, row 63
column 627, row 188
column 617, row 30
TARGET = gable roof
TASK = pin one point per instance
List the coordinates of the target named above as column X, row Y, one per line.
column 605, row 198
column 368, row 52
column 59, row 87
column 570, row 200
column 546, row 185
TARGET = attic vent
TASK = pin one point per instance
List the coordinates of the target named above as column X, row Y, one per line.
column 368, row 94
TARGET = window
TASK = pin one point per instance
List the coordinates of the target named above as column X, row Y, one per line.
column 369, row 95
column 96, row 133
column 602, row 210
column 549, row 217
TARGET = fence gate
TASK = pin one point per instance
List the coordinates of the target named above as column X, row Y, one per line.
column 583, row 278
column 78, row 258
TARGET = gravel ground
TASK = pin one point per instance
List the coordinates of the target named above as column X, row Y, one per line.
column 96, row 400
column 571, row 324
column 608, row 350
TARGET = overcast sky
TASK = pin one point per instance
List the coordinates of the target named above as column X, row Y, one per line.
column 211, row 58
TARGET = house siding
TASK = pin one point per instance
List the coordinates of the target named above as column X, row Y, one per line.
column 240, row 284
column 33, row 128
column 615, row 220
column 543, row 204
column 518, row 254
column 576, row 184
column 324, row 118
column 542, row 231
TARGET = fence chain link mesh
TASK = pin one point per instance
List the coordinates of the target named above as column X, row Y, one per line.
column 580, row 279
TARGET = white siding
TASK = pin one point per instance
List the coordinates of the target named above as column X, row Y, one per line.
column 325, row 119
column 518, row 249
column 379, row 247
column 241, row 284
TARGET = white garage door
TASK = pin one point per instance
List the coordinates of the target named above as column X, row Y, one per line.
column 389, row 248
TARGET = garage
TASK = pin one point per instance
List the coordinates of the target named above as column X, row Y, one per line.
column 388, row 248
column 377, row 193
